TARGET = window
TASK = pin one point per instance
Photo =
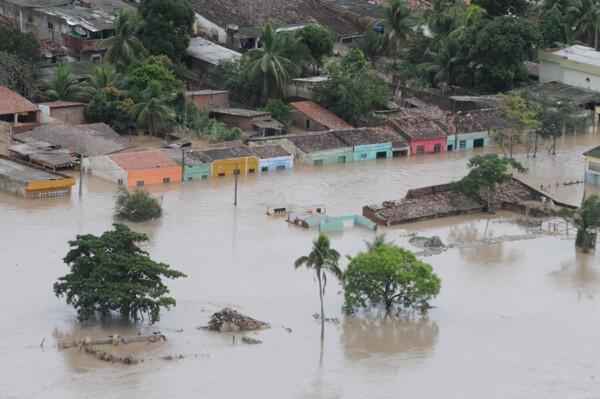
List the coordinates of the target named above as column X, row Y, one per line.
column 236, row 171
column 462, row 144
column 249, row 171
column 166, row 180
column 281, row 167
column 450, row 147
column 420, row 149
column 264, row 169
column 120, row 181
column 204, row 177
column 594, row 166
column 437, row 148
column 30, row 19
column 190, row 178
column 341, row 159
column 221, row 174
column 318, row 162
column 307, row 124
column 139, row 183
column 50, row 26
column 381, row 155
column 478, row 143
column 95, row 59
column 363, row 156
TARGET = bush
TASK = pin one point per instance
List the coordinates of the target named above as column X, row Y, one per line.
column 138, row 206
column 279, row 110
column 110, row 106
column 197, row 123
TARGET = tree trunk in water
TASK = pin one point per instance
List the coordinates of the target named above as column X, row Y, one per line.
column 554, row 146
column 595, row 37
column 322, row 310
column 535, row 146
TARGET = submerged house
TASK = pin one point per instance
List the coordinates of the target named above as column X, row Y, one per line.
column 196, row 165
column 400, row 146
column 273, row 158
column 366, row 143
column 592, row 166
column 31, row 182
column 465, row 131
column 425, row 136
column 322, row 148
column 308, row 115
column 135, row 169
column 231, row 160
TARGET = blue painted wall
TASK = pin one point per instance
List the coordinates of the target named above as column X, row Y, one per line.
column 272, row 164
column 369, row 152
column 469, row 139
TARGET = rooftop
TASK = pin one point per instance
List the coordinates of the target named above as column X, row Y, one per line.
column 12, row 102
column 581, row 54
column 206, row 92
column 418, row 128
column 313, row 142
column 215, row 154
column 192, row 157
column 24, row 173
column 555, row 91
column 38, row 3
column 94, row 17
column 427, row 111
column 594, row 152
column 390, row 134
column 62, row 104
column 362, row 8
column 142, row 160
column 254, row 13
column 490, row 119
column 311, row 79
column 247, row 113
column 468, row 123
column 86, row 140
column 210, row 52
column 269, row 151
column 324, row 117
column 361, row 136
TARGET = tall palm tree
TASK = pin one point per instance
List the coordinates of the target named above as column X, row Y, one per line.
column 154, row 112
column 63, row 86
column 103, row 76
column 398, row 22
column 267, row 64
column 442, row 58
column 321, row 259
column 124, row 47
column 587, row 19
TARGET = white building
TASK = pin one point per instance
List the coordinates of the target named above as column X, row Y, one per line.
column 577, row 66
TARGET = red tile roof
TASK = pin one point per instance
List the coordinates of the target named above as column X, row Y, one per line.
column 324, row 117
column 142, row 160
column 13, row 103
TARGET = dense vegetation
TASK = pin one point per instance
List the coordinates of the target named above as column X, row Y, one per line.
column 110, row 273
column 138, row 206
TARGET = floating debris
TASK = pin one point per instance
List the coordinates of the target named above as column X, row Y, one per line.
column 427, row 242
column 333, row 320
column 229, row 319
column 251, row 341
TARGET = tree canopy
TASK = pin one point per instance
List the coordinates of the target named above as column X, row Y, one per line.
column 138, row 206
column 391, row 277
column 552, row 27
column 23, row 45
column 487, row 172
column 167, row 27
column 124, row 48
column 587, row 221
column 110, row 273
column 318, row 40
column 497, row 8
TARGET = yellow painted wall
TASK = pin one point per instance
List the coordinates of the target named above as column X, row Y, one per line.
column 227, row 166
column 45, row 187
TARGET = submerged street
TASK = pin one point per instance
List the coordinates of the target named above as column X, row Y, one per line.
column 516, row 319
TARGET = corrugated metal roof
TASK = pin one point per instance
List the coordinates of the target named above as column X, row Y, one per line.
column 210, row 52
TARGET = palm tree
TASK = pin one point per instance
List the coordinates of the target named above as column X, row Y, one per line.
column 377, row 242
column 442, row 58
column 267, row 64
column 124, row 47
column 155, row 112
column 64, row 86
column 321, row 259
column 102, row 77
column 397, row 22
column 587, row 14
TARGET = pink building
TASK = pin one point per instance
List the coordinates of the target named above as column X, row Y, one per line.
column 425, row 136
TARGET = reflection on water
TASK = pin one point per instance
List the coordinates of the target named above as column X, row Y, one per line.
column 368, row 336
column 579, row 274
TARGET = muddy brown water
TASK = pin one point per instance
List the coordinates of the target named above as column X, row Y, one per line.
column 514, row 320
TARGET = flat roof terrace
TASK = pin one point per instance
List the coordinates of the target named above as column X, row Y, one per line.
column 24, row 173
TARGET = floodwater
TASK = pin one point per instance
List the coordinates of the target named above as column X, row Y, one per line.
column 517, row 319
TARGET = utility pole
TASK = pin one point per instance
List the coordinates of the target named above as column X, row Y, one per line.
column 80, row 176
column 182, row 164
column 236, row 173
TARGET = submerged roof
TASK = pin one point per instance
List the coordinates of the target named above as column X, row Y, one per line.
column 215, row 154
column 418, row 128
column 143, row 160
column 314, row 142
column 210, row 52
column 361, row 136
column 12, row 102
column 86, row 140
column 390, row 134
column 320, row 114
column 24, row 173
column 270, row 151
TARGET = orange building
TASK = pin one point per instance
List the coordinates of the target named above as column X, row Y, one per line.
column 135, row 169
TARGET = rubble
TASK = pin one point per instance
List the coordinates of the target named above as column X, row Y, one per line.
column 229, row 319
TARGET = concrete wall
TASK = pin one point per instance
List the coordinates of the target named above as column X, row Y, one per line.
column 556, row 69
column 243, row 122
column 209, row 100
column 154, row 176
column 469, row 140
column 277, row 163
column 550, row 72
column 329, row 157
column 428, row 145
column 104, row 168
column 226, row 167
column 369, row 152
column 306, row 123
column 197, row 172
column 73, row 115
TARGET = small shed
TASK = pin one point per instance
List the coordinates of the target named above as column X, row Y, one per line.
column 273, row 158
column 425, row 136
column 203, row 55
column 367, row 143
column 64, row 111
column 322, row 148
column 308, row 115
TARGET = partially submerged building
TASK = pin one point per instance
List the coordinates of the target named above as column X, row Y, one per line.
column 30, row 182
column 466, row 131
column 400, row 146
column 321, row 148
column 273, row 158
column 592, row 166
column 366, row 143
column 310, row 116
column 425, row 136
column 575, row 65
column 135, row 169
column 17, row 111
column 196, row 165
column 229, row 161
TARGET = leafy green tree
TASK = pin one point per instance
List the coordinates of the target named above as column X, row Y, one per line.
column 227, row 75
column 391, row 277
column 442, row 61
column 153, row 71
column 289, row 46
column 496, row 51
column 353, row 91
column 111, row 106
column 587, row 221
column 397, row 22
column 554, row 119
column 124, row 48
column 377, row 242
column 496, row 8
column 23, row 45
column 154, row 112
column 17, row 75
column 552, row 27
column 167, row 27
column 373, row 45
column 110, row 273
column 138, row 206
column 322, row 259
column 522, row 115
column 268, row 66
column 279, row 110
column 64, row 86
column 444, row 17
column 318, row 40
column 486, row 172
column 102, row 77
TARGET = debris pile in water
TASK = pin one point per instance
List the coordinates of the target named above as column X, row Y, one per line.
column 427, row 242
column 231, row 320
